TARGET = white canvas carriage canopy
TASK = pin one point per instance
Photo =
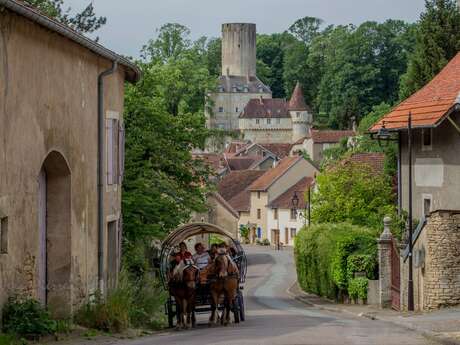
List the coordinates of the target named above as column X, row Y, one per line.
column 186, row 231
column 193, row 229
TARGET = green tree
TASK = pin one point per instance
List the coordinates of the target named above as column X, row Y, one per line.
column 85, row 21
column 306, row 29
column 352, row 193
column 437, row 41
column 164, row 119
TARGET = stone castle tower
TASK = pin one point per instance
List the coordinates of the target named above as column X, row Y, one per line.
column 239, row 50
column 238, row 82
column 301, row 114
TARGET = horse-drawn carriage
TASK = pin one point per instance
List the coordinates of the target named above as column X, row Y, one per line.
column 203, row 298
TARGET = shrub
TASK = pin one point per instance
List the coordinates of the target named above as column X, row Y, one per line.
column 322, row 254
column 265, row 242
column 27, row 317
column 134, row 302
column 357, row 288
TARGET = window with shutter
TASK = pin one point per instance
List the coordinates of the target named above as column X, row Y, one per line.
column 112, row 151
column 121, row 152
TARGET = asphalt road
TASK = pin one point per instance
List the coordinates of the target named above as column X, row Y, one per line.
column 273, row 317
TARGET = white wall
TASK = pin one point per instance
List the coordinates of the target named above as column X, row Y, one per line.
column 284, row 221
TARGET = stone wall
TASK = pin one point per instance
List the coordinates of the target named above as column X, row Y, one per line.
column 436, row 263
column 442, row 263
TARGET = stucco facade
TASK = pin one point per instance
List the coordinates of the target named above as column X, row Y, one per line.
column 48, row 165
column 436, row 169
column 281, row 220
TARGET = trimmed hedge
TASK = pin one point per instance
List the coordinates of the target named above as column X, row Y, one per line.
column 328, row 255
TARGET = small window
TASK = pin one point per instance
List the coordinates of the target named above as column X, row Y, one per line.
column 4, row 235
column 236, row 109
column 259, row 213
column 298, row 114
column 257, row 121
column 278, row 121
column 427, row 139
column 293, row 232
column 258, row 195
column 293, row 214
column 275, row 213
column 221, row 109
column 426, row 205
column 269, row 121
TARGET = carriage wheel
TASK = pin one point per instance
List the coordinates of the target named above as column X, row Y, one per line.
column 236, row 309
column 241, row 306
column 170, row 314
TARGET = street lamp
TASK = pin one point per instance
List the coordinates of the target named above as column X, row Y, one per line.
column 295, row 205
column 384, row 135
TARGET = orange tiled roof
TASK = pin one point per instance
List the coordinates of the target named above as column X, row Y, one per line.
column 330, row 136
column 376, row 160
column 431, row 104
column 266, row 180
column 284, row 201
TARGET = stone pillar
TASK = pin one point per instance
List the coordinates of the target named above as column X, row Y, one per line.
column 384, row 248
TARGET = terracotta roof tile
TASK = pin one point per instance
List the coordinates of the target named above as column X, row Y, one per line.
column 376, row 160
column 241, row 163
column 281, row 150
column 330, row 136
column 285, row 199
column 430, row 104
column 297, row 102
column 265, row 181
column 266, row 108
column 214, row 160
column 237, row 181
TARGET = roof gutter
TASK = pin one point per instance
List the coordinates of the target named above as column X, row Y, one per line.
column 100, row 172
column 34, row 15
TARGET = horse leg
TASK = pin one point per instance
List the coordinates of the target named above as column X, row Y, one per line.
column 179, row 313
column 186, row 314
column 213, row 308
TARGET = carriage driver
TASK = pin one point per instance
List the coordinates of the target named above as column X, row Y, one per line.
column 201, row 257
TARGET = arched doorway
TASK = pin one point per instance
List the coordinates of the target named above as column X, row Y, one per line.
column 54, row 263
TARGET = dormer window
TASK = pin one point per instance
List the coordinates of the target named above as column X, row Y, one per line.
column 427, row 139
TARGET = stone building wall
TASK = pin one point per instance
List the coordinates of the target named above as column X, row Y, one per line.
column 436, row 264
column 48, row 107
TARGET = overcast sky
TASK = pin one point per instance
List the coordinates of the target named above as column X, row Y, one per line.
column 130, row 24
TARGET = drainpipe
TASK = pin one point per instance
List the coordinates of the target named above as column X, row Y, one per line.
column 100, row 171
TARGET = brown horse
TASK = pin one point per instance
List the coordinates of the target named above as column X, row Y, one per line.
column 184, row 292
column 225, row 282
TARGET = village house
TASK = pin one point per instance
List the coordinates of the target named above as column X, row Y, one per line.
column 61, row 160
column 267, row 188
column 283, row 219
column 435, row 116
column 318, row 141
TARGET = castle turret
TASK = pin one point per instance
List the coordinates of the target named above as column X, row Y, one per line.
column 239, row 49
column 301, row 114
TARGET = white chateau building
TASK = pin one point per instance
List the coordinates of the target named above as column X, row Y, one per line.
column 243, row 104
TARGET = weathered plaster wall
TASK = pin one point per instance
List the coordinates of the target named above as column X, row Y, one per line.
column 284, row 221
column 48, row 102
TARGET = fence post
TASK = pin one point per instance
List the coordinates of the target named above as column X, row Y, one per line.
column 384, row 248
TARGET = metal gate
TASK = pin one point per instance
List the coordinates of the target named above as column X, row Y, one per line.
column 395, row 277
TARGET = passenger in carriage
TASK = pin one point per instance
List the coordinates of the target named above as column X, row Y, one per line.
column 181, row 255
column 201, row 257
column 213, row 251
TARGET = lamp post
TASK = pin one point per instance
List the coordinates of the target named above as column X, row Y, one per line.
column 295, row 204
column 384, row 134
